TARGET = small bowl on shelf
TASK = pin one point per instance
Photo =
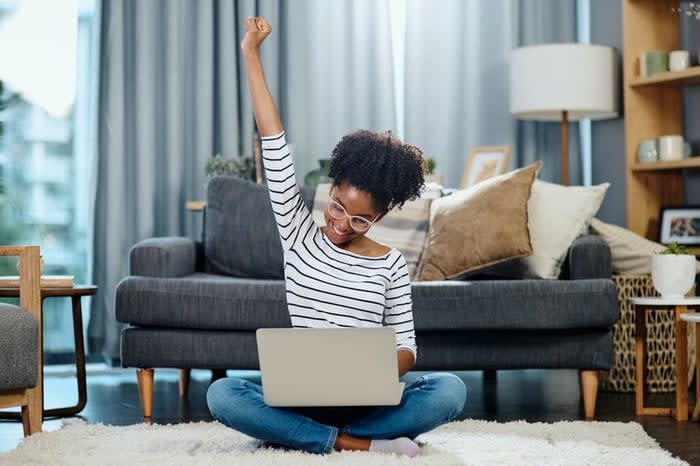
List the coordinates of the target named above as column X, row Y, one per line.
column 648, row 151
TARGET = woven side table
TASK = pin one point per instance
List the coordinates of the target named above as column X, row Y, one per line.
column 643, row 306
column 660, row 342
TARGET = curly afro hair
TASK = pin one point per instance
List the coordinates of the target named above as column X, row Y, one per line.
column 381, row 165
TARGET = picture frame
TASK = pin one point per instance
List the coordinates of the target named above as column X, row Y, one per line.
column 485, row 162
column 680, row 224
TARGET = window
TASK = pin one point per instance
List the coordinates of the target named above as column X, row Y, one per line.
column 48, row 69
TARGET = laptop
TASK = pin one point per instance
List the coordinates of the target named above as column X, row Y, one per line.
column 329, row 366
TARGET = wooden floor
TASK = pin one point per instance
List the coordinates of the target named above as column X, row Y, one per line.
column 530, row 395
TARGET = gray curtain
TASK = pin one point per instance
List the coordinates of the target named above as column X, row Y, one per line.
column 457, row 88
column 690, row 40
column 169, row 97
column 541, row 22
column 337, row 64
column 172, row 93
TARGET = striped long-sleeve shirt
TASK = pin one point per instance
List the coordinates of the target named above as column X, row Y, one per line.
column 328, row 286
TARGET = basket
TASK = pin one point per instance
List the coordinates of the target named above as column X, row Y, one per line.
column 660, row 341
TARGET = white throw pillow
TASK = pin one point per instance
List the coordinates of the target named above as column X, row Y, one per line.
column 557, row 216
column 631, row 253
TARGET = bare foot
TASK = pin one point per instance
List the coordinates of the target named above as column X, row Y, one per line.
column 348, row 442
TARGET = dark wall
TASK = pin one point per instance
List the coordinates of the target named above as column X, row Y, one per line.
column 609, row 135
column 690, row 40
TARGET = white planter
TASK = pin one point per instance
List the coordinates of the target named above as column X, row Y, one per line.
column 673, row 274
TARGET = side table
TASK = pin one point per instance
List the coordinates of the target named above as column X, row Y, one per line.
column 75, row 294
column 694, row 317
column 680, row 306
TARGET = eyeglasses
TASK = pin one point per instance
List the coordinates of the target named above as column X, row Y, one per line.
column 338, row 212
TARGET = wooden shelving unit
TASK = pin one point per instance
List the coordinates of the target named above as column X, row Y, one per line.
column 669, row 78
column 692, row 162
column 652, row 108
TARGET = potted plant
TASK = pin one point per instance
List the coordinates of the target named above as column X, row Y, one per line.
column 430, row 175
column 673, row 271
column 319, row 175
column 241, row 167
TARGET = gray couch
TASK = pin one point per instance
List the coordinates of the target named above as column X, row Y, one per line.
column 192, row 304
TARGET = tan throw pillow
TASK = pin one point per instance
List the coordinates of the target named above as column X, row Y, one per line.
column 404, row 229
column 631, row 253
column 479, row 226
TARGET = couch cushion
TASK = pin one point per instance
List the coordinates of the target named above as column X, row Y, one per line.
column 503, row 349
column 18, row 348
column 514, row 305
column 631, row 253
column 557, row 349
column 177, row 348
column 211, row 302
column 240, row 233
column 557, row 215
column 479, row 226
column 202, row 301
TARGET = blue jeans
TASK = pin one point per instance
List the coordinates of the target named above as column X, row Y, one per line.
column 427, row 403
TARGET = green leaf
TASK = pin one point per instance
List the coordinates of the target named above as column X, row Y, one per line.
column 430, row 164
column 675, row 248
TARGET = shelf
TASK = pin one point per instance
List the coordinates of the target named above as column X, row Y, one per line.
column 669, row 78
column 691, row 162
column 653, row 106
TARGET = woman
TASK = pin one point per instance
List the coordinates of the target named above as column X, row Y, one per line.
column 337, row 277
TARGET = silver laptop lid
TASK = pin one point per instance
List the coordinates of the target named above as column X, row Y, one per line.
column 329, row 367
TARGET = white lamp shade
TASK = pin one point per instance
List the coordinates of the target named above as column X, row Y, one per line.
column 548, row 79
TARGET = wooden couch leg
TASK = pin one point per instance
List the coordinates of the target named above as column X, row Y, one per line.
column 589, row 391
column 145, row 381
column 184, row 384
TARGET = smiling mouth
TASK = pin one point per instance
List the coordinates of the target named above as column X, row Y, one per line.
column 337, row 232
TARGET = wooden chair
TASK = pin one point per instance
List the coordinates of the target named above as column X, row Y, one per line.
column 21, row 376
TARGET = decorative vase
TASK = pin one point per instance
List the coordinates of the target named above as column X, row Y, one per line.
column 320, row 175
column 673, row 275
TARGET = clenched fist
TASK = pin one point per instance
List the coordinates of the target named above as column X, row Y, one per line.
column 256, row 30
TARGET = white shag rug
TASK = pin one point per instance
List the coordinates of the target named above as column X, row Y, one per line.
column 469, row 442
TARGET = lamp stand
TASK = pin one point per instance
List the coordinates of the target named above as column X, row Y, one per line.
column 565, row 148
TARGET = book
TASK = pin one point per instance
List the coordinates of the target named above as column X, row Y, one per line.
column 47, row 281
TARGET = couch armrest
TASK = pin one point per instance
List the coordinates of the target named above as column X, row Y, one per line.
column 589, row 257
column 163, row 257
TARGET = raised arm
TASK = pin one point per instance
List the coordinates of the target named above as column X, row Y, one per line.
column 266, row 115
column 291, row 214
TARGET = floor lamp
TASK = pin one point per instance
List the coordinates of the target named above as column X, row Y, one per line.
column 563, row 82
